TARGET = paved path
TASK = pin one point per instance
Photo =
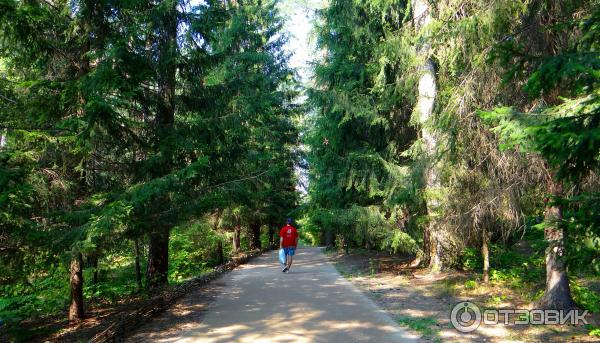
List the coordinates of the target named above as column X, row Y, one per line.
column 259, row 303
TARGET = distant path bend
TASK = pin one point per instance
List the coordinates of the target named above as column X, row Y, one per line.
column 259, row 303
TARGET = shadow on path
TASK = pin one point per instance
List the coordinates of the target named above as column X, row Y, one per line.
column 259, row 303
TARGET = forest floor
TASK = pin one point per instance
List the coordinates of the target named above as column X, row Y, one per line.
column 422, row 302
column 99, row 317
column 102, row 314
column 56, row 328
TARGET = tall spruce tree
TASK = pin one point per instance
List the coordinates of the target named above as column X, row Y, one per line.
column 467, row 56
column 137, row 117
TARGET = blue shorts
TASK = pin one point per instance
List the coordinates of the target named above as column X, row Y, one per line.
column 289, row 251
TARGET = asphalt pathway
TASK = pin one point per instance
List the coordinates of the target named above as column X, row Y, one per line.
column 258, row 303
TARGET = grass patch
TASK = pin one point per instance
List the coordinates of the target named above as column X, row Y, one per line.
column 495, row 300
column 374, row 266
column 593, row 331
column 445, row 288
column 470, row 284
column 347, row 273
column 426, row 326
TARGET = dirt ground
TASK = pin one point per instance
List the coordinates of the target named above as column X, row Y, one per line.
column 185, row 313
column 422, row 302
column 56, row 328
column 98, row 318
column 258, row 303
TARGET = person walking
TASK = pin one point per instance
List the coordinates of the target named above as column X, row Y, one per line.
column 288, row 241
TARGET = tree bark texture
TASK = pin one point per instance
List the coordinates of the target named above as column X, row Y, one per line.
column 236, row 238
column 427, row 91
column 76, row 312
column 485, row 253
column 271, row 237
column 220, row 258
column 158, row 259
column 3, row 139
column 138, row 270
column 94, row 266
column 557, row 294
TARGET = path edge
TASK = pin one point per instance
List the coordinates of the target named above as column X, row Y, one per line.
column 161, row 302
column 406, row 333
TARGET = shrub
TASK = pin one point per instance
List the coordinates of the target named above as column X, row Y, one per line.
column 584, row 297
column 470, row 284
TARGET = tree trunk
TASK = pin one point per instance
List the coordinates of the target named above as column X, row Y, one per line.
column 158, row 260
column 76, row 307
column 425, row 257
column 94, row 265
column 76, row 310
column 3, row 139
column 435, row 251
column 329, row 239
column 220, row 258
column 271, row 237
column 166, row 41
column 557, row 295
column 345, row 243
column 236, row 238
column 322, row 240
column 485, row 253
column 432, row 250
column 138, row 270
column 255, row 231
column 427, row 91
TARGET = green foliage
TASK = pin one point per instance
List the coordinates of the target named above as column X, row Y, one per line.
column 508, row 265
column 358, row 128
column 593, row 331
column 194, row 250
column 111, row 292
column 471, row 259
column 38, row 297
column 585, row 297
column 516, row 109
column 497, row 299
column 565, row 129
column 123, row 119
column 516, row 269
column 470, row 284
column 584, row 238
column 400, row 241
column 425, row 326
column 567, row 135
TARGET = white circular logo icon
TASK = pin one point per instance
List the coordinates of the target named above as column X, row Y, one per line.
column 465, row 316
